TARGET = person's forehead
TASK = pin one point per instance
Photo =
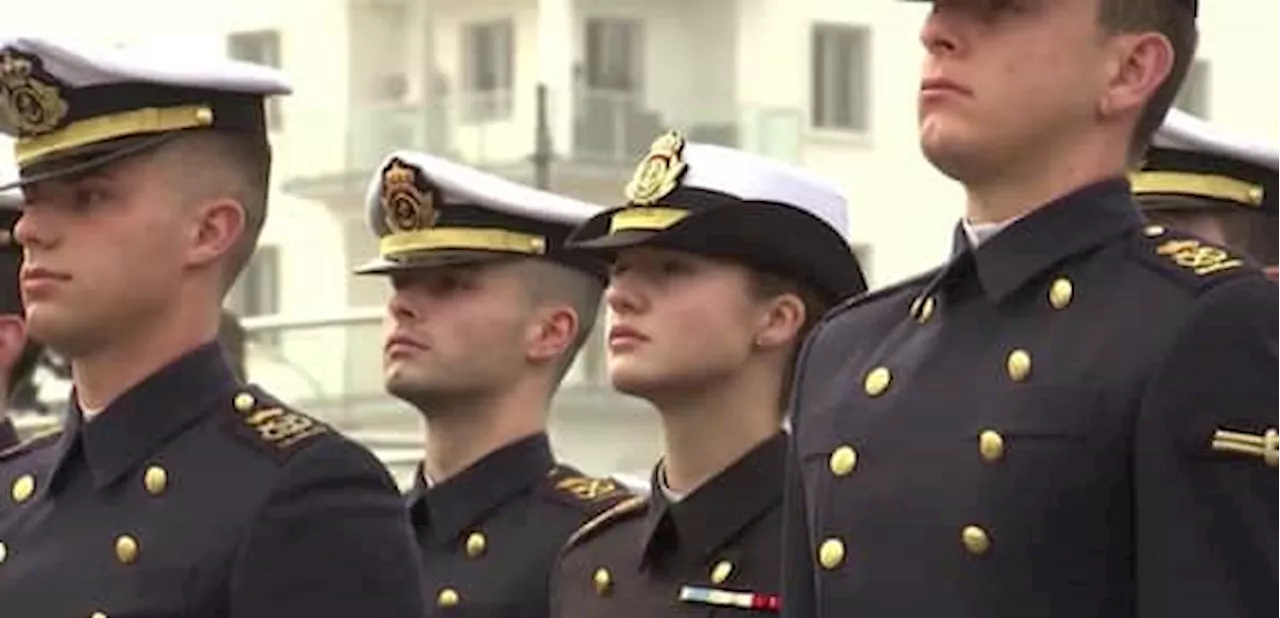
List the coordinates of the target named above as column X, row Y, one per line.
column 643, row 252
column 125, row 171
column 443, row 271
column 992, row 6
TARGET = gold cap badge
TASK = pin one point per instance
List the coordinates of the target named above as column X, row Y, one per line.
column 660, row 172
column 406, row 207
column 26, row 103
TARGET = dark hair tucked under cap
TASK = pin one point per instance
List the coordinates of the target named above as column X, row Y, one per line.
column 1207, row 168
column 427, row 211
column 73, row 108
column 727, row 203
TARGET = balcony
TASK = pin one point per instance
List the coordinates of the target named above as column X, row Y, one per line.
column 330, row 367
column 595, row 142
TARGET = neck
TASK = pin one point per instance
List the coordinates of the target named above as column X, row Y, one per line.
column 101, row 376
column 461, row 433
column 1017, row 190
column 706, row 432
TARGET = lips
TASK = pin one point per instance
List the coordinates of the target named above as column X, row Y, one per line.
column 32, row 272
column 622, row 333
column 943, row 84
column 402, row 342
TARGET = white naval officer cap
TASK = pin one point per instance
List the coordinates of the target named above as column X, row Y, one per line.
column 1191, row 158
column 428, row 211
column 72, row 107
column 733, row 204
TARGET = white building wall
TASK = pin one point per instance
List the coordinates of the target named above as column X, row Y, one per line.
column 703, row 61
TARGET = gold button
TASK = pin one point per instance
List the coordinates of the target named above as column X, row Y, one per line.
column 126, row 549
column 1153, row 230
column 97, row 615
column 244, row 402
column 831, row 553
column 1255, row 195
column 23, row 487
column 975, row 540
column 721, row 571
column 842, row 460
column 1019, row 365
column 475, row 544
column 1271, row 447
column 602, row 580
column 1060, row 293
column 877, row 381
column 922, row 308
column 4, row 551
column 204, row 116
column 448, row 597
column 155, row 479
column 991, row 445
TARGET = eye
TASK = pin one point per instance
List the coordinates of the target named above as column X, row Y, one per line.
column 88, row 197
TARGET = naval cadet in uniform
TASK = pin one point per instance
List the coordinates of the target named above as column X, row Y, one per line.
column 1199, row 179
column 174, row 490
column 1075, row 415
column 722, row 261
column 18, row 353
column 486, row 315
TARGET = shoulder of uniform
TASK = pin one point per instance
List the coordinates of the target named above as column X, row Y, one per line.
column 36, row 442
column 621, row 511
column 887, row 294
column 270, row 427
column 1194, row 263
column 588, row 495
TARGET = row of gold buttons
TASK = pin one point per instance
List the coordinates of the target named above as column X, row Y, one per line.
column 991, row 445
column 474, row 546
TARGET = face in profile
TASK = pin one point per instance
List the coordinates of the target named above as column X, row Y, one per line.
column 677, row 320
column 455, row 332
column 103, row 252
column 1004, row 79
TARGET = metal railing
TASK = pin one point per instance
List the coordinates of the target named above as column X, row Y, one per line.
column 310, row 362
column 606, row 127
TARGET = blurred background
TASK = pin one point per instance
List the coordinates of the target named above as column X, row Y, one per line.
column 567, row 95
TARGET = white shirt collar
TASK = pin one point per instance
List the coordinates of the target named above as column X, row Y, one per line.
column 978, row 233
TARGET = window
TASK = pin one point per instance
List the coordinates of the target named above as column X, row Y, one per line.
column 1193, row 98
column 257, row 291
column 488, row 56
column 613, row 54
column 260, row 47
column 841, row 78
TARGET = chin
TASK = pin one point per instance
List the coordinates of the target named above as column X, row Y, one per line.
column 634, row 378
column 947, row 152
column 56, row 330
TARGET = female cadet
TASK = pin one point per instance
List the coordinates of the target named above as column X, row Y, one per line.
column 722, row 260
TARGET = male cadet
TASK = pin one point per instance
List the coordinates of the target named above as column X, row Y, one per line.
column 487, row 313
column 1200, row 180
column 722, row 261
column 175, row 490
column 1075, row 415
column 18, row 354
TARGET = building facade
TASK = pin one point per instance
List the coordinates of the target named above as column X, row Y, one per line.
column 568, row 94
